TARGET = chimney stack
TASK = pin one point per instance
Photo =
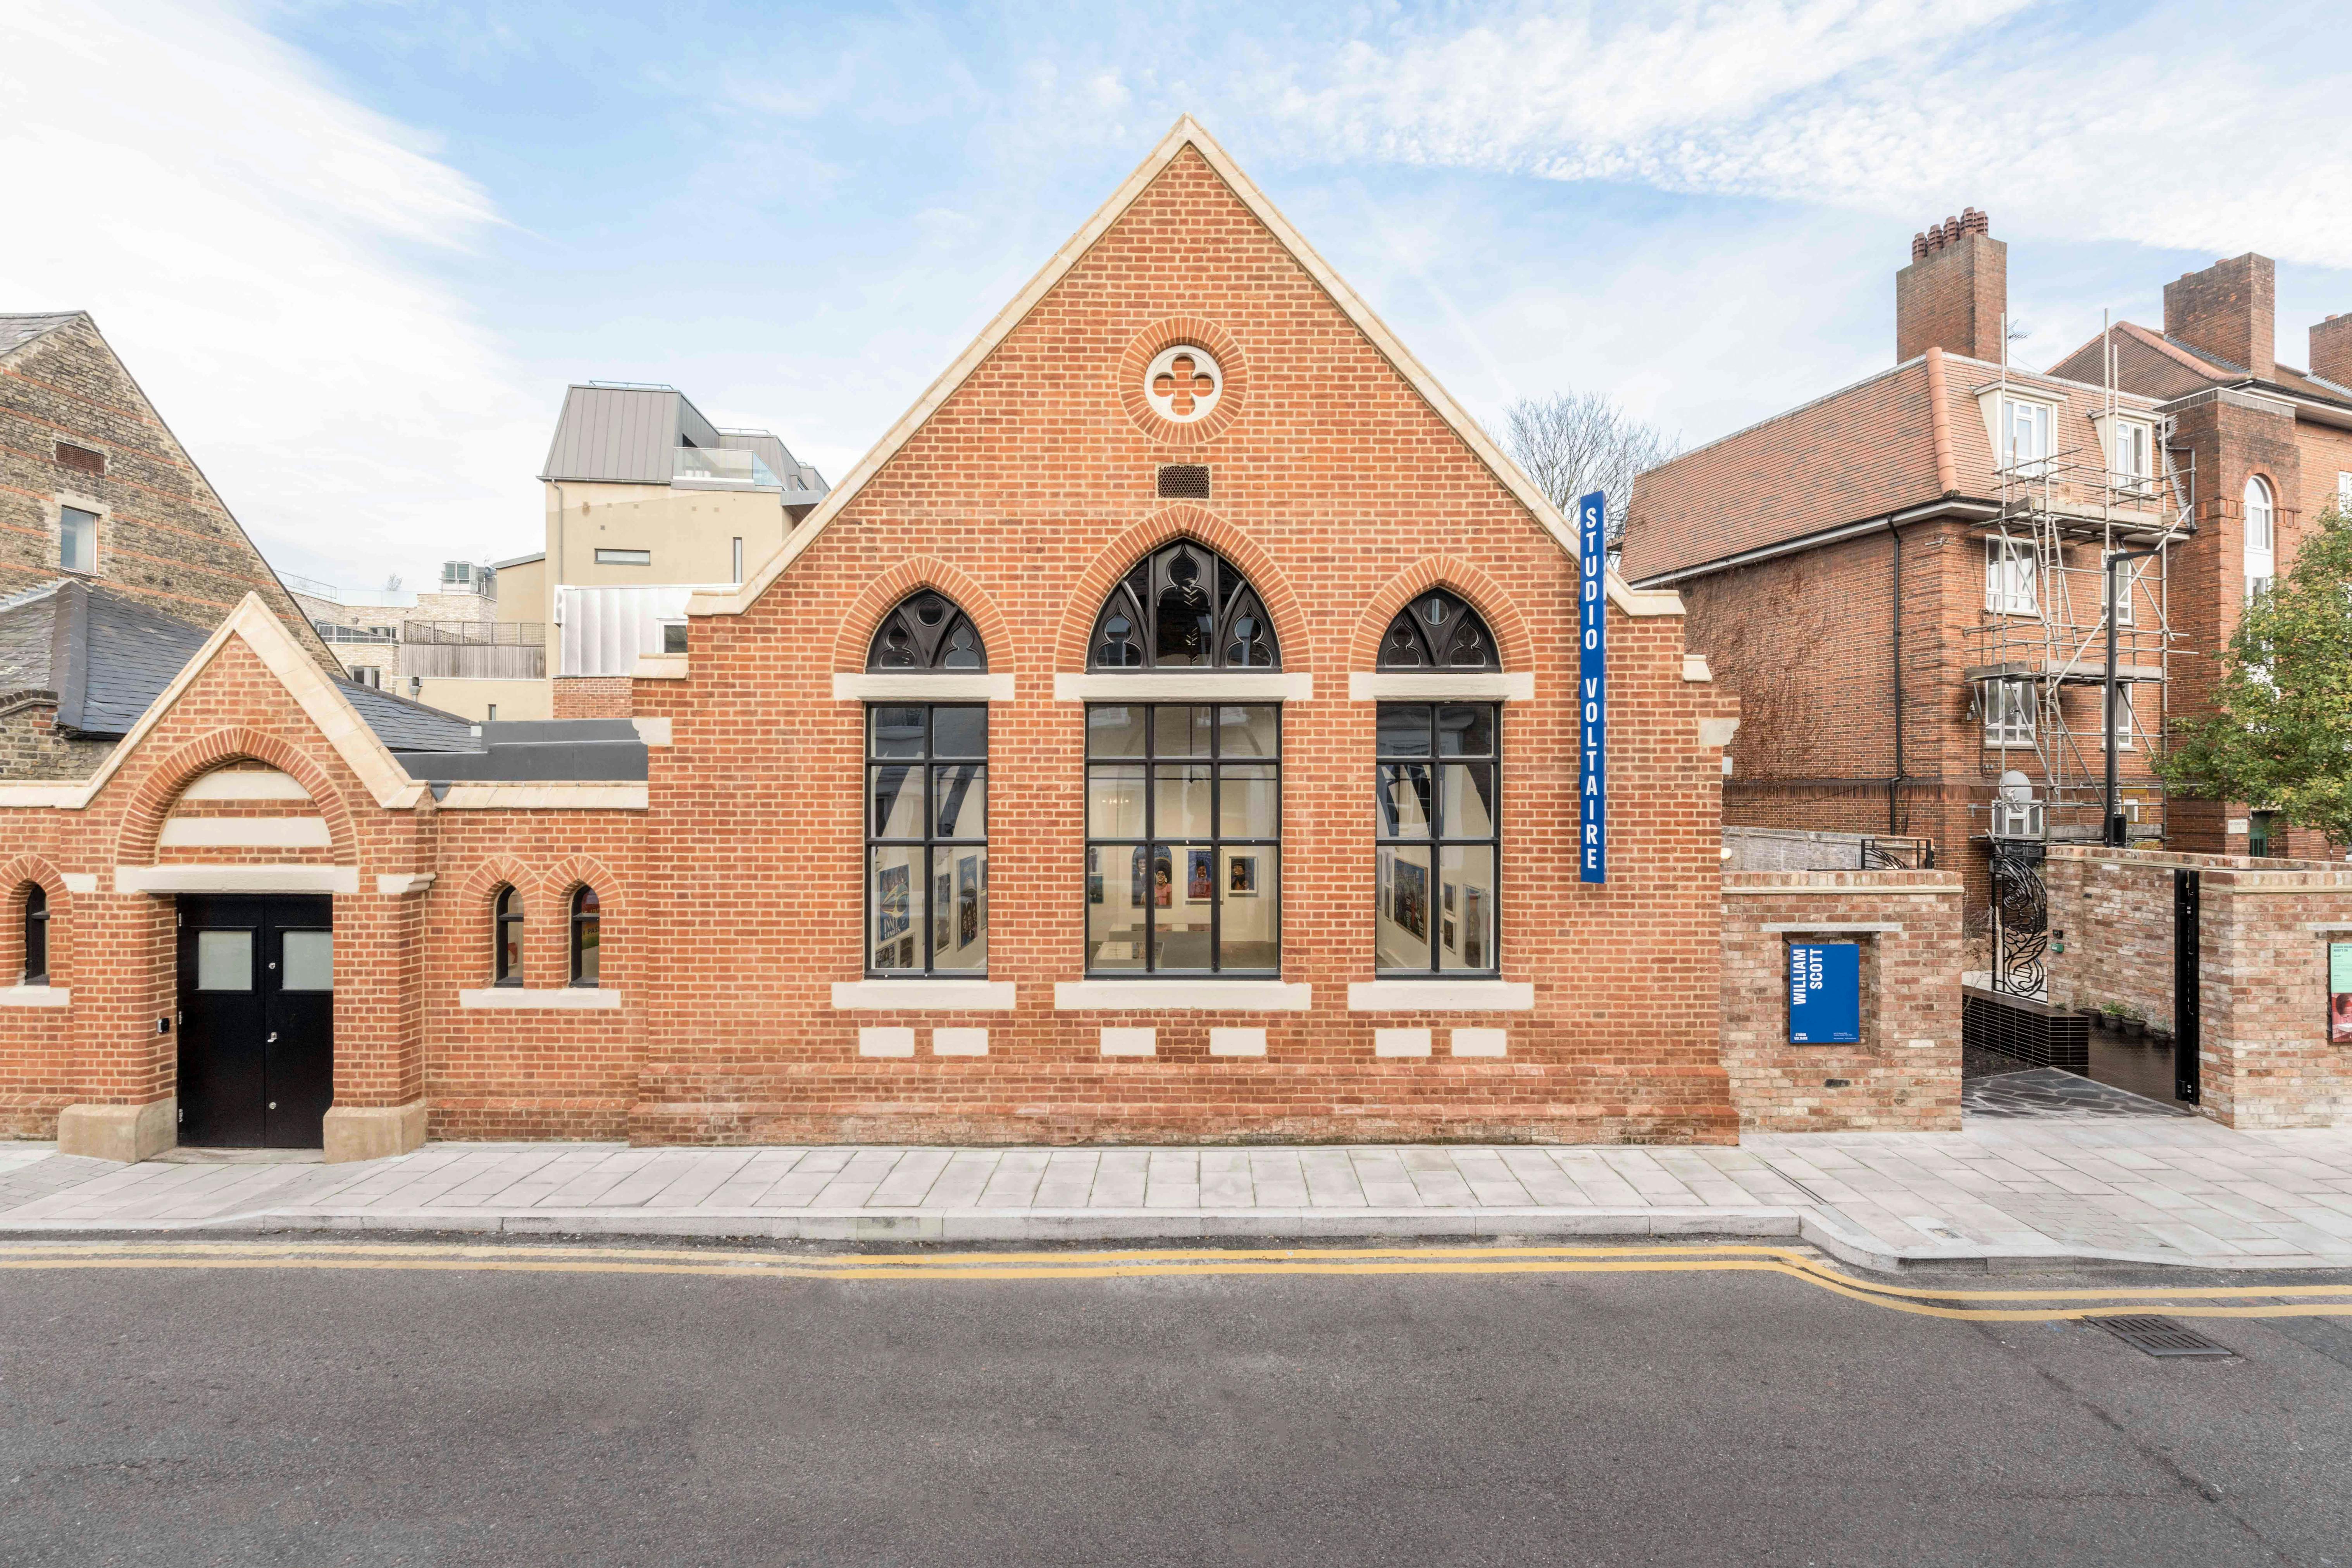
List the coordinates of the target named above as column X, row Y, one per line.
column 2331, row 350
column 2229, row 310
column 1955, row 292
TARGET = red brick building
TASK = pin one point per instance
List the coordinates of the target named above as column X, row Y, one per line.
column 1169, row 730
column 1903, row 581
column 2271, row 447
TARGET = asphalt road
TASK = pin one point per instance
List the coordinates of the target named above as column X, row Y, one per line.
column 273, row 1417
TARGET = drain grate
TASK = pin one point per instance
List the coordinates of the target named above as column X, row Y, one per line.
column 2158, row 1336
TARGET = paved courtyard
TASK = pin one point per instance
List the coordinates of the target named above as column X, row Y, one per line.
column 2038, row 1173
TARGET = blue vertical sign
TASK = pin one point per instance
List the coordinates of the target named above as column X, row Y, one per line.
column 1592, row 689
column 1824, row 994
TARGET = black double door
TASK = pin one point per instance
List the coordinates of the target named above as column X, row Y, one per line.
column 256, row 1021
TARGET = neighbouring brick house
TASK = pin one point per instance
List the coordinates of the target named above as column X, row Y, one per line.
column 2271, row 449
column 1169, row 730
column 1903, row 581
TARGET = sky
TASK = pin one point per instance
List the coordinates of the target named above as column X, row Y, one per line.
column 355, row 251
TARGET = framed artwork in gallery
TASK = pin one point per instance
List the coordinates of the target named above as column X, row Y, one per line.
column 892, row 896
column 1200, row 876
column 1241, row 876
column 967, row 902
column 1474, row 920
column 1409, row 907
column 942, row 904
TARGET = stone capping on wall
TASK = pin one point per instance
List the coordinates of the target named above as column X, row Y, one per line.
column 1177, row 995
column 1442, row 686
column 555, row 797
column 2242, row 874
column 921, row 687
column 913, row 996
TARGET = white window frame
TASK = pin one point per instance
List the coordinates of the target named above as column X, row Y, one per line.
column 2044, row 425
column 2002, row 726
column 611, row 556
column 2003, row 555
column 2344, row 493
column 2126, row 717
column 2126, row 577
column 2261, row 561
column 2131, row 453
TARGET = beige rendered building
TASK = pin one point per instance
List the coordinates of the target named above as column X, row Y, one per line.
column 646, row 500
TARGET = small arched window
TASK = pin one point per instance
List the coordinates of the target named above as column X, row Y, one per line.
column 36, row 934
column 1438, row 631
column 2262, row 535
column 927, row 631
column 506, row 924
column 1184, row 607
column 586, row 936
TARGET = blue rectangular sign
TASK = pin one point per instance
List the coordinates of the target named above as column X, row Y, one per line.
column 1592, row 688
column 1825, row 993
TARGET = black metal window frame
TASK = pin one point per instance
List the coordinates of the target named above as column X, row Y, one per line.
column 506, row 909
column 1440, row 838
column 1217, row 841
column 1183, row 606
column 929, row 762
column 36, row 934
column 587, row 933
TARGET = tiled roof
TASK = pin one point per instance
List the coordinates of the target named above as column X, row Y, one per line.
column 2207, row 367
column 15, row 331
column 1862, row 452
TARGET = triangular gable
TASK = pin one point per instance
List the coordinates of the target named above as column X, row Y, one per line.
column 260, row 629
column 1187, row 133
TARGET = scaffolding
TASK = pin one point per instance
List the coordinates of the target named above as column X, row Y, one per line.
column 2037, row 661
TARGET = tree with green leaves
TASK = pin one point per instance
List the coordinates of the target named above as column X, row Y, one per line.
column 2280, row 733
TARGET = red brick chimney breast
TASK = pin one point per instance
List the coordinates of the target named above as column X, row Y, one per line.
column 2230, row 310
column 2331, row 350
column 1955, row 292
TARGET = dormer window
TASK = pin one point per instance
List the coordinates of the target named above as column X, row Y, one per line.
column 2130, row 454
column 2025, row 427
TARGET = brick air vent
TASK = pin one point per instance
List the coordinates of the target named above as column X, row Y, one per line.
column 80, row 459
column 1184, row 481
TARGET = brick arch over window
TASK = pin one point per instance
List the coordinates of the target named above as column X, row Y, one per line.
column 476, row 912
column 886, row 593
column 1071, row 645
column 1513, row 642
column 15, row 876
column 614, row 908
column 143, row 820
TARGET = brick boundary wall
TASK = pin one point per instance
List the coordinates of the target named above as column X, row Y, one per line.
column 2264, row 1056
column 592, row 696
column 1904, row 1076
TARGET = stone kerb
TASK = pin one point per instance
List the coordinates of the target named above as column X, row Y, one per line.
column 1905, row 1072
column 2264, row 1058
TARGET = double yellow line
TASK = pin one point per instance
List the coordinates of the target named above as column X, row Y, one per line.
column 1156, row 1263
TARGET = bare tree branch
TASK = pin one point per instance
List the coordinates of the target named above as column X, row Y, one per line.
column 1576, row 442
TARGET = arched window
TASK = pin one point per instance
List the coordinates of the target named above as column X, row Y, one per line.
column 586, row 936
column 36, row 934
column 1183, row 607
column 507, row 924
column 927, row 631
column 2262, row 532
column 1438, row 631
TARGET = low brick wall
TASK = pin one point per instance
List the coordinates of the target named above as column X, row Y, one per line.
column 1905, row 1075
column 592, row 696
column 2263, row 1057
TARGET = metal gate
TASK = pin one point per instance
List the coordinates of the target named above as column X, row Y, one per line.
column 2187, row 902
column 2021, row 921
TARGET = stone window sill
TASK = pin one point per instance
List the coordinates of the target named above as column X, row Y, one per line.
column 1177, row 995
column 1441, row 996
column 36, row 996
column 923, row 996
column 549, row 999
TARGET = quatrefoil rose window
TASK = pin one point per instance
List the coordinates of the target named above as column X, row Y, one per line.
column 1183, row 384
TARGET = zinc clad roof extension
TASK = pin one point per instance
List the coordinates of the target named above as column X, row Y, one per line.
column 624, row 435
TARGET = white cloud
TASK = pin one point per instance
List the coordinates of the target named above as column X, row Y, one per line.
column 1910, row 107
column 252, row 243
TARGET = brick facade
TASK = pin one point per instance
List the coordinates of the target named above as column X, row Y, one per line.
column 2264, row 1058
column 1343, row 483
column 1905, row 1074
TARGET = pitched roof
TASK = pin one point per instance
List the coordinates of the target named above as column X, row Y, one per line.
column 108, row 657
column 15, row 331
column 1862, row 452
column 2205, row 365
column 1186, row 133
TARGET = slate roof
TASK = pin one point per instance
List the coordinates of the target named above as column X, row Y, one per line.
column 15, row 331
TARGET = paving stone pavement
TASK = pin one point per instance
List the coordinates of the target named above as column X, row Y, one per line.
column 2148, row 1188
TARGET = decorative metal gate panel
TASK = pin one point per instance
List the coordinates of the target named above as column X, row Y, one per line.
column 2021, row 921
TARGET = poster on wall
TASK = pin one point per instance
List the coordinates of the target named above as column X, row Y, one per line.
column 1825, row 993
column 1592, row 688
column 1410, row 907
column 891, row 915
column 2339, row 993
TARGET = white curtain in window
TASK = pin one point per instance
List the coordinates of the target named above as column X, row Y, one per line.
column 2262, row 515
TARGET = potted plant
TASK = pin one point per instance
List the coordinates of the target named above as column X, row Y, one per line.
column 2135, row 1023
column 2157, row 1035
column 2111, row 1015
